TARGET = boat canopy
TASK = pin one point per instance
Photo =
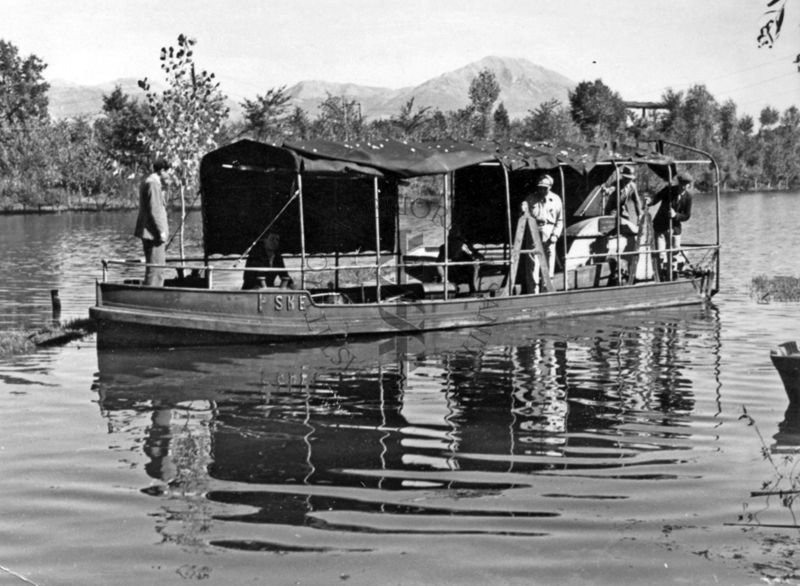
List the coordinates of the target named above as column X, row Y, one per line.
column 247, row 185
column 330, row 188
column 402, row 159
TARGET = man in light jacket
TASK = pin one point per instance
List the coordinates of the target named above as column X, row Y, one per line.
column 545, row 207
column 151, row 224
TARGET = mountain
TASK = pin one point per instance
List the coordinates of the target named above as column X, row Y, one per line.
column 523, row 86
column 68, row 100
column 308, row 95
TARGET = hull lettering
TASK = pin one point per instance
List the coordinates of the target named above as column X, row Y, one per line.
column 290, row 303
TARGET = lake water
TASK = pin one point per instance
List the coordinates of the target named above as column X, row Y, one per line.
column 615, row 449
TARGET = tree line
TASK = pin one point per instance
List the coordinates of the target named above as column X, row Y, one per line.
column 97, row 162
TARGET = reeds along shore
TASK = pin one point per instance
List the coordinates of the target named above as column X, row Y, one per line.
column 21, row 341
column 778, row 288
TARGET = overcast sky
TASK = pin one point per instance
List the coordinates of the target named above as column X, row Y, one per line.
column 637, row 47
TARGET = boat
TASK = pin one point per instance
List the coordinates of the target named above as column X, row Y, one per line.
column 363, row 228
column 786, row 359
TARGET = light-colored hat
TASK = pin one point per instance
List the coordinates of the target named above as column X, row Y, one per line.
column 545, row 181
column 685, row 177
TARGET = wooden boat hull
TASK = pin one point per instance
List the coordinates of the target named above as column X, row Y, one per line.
column 786, row 359
column 136, row 315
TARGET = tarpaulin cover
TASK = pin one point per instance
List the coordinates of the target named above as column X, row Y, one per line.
column 404, row 159
column 582, row 158
column 245, row 186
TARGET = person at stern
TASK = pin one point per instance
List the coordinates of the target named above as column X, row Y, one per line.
column 151, row 224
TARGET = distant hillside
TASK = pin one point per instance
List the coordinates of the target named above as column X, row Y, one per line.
column 308, row 95
column 523, row 86
column 68, row 100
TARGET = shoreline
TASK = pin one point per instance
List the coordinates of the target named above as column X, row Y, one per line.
column 19, row 209
column 48, row 209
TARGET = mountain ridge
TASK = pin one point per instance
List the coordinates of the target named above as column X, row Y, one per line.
column 523, row 86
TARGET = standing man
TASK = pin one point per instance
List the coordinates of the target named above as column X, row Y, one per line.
column 545, row 207
column 151, row 224
column 627, row 199
column 675, row 208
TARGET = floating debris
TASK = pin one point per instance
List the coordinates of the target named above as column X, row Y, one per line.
column 765, row 289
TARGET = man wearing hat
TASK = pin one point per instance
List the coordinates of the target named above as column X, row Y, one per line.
column 151, row 224
column 545, row 207
column 675, row 208
column 628, row 201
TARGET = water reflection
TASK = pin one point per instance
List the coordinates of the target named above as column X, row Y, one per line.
column 429, row 434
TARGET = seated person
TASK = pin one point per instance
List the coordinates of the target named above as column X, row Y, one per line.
column 265, row 254
column 459, row 251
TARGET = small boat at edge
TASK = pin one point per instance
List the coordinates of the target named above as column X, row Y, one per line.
column 786, row 358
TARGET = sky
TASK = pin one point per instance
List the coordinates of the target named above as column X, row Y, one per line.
column 639, row 48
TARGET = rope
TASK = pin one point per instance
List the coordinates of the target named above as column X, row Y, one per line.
column 265, row 230
column 20, row 576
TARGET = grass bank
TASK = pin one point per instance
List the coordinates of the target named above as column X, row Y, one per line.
column 22, row 341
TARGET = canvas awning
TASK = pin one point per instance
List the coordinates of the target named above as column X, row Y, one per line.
column 403, row 159
column 247, row 185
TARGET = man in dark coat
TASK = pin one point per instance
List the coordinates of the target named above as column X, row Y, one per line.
column 151, row 224
column 675, row 208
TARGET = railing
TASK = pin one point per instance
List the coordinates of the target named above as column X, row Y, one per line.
column 206, row 271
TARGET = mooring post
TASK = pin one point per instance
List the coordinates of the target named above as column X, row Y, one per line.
column 56, row 305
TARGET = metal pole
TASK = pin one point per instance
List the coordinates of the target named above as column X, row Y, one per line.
column 508, row 221
column 563, row 223
column 398, row 246
column 669, row 231
column 376, row 191
column 335, row 226
column 302, row 232
column 717, row 201
column 445, row 220
column 619, row 225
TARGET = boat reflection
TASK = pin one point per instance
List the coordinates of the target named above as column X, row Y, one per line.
column 289, row 431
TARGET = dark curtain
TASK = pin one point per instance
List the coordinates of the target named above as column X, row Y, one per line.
column 247, row 185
